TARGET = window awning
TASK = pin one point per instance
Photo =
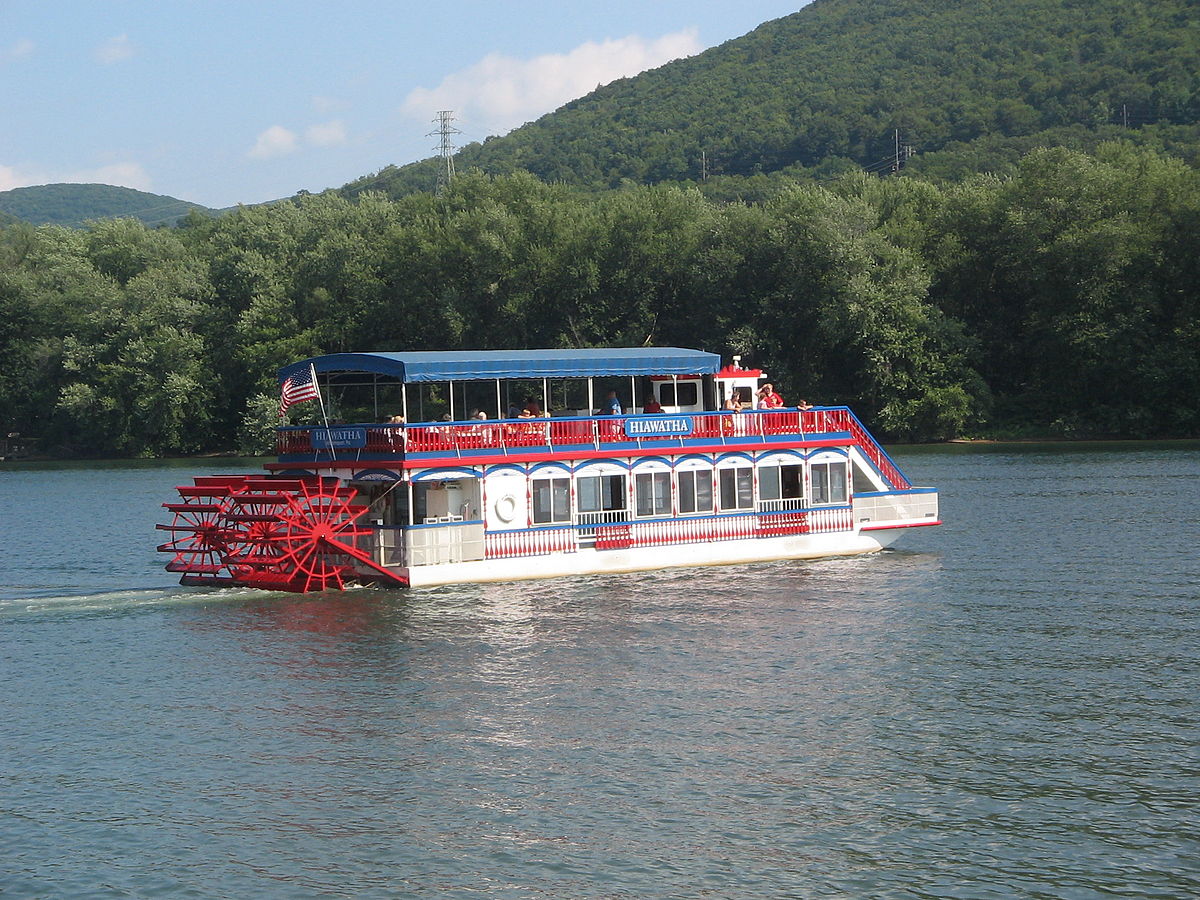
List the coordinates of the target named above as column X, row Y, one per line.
column 486, row 365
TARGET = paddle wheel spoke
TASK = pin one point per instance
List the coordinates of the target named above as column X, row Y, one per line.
column 320, row 531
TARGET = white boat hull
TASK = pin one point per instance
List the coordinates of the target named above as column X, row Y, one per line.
column 641, row 559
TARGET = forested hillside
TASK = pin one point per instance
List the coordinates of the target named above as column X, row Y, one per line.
column 1062, row 300
column 968, row 85
column 1018, row 275
column 74, row 204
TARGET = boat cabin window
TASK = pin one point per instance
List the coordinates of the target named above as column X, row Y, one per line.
column 781, row 483
column 829, row 482
column 653, row 493
column 745, row 395
column 452, row 500
column 600, row 493
column 695, row 491
column 685, row 396
column 737, row 488
column 551, row 501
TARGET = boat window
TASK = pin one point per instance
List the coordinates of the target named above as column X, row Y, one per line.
column 686, row 395
column 695, row 491
column 829, row 482
column 652, row 491
column 595, row 493
column 781, row 482
column 551, row 500
column 862, row 480
column 737, row 488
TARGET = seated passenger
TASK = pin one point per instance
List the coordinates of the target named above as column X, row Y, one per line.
column 651, row 405
column 803, row 404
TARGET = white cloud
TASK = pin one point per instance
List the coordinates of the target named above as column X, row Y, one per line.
column 114, row 50
column 326, row 134
column 22, row 49
column 10, row 178
column 325, row 104
column 499, row 93
column 275, row 141
column 125, row 174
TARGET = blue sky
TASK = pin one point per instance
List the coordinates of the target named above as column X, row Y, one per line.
column 222, row 102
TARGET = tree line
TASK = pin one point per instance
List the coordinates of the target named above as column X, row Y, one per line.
column 1059, row 301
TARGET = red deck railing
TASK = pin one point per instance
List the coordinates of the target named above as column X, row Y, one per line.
column 598, row 432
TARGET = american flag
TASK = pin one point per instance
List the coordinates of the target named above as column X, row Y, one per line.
column 297, row 388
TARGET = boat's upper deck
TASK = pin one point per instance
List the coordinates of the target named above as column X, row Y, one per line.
column 441, row 443
column 692, row 405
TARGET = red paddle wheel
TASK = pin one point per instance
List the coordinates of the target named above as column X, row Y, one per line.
column 289, row 534
column 199, row 534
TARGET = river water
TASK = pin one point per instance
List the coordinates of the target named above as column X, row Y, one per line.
column 1005, row 706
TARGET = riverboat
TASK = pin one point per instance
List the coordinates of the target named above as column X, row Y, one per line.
column 429, row 468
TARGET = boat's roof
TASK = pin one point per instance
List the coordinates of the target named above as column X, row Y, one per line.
column 486, row 365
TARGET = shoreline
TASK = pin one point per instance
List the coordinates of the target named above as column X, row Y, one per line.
column 931, row 445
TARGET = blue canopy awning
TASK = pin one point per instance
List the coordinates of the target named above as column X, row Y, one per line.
column 486, row 365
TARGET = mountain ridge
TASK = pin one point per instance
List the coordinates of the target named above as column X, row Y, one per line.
column 73, row 205
column 967, row 86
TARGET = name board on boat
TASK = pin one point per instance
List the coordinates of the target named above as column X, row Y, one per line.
column 338, row 438
column 657, row 426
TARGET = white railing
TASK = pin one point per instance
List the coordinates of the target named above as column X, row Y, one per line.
column 601, row 517
column 780, row 505
column 901, row 506
column 530, row 542
column 385, row 543
column 445, row 544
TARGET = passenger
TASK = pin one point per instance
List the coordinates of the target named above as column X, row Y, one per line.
column 734, row 403
column 526, row 413
column 651, row 405
column 514, row 410
column 534, row 407
column 612, row 405
column 767, row 398
column 396, row 435
column 803, row 404
column 479, row 414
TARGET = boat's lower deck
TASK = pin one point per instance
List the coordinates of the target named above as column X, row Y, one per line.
column 590, row 561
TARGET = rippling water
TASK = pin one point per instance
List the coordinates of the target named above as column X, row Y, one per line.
column 1003, row 706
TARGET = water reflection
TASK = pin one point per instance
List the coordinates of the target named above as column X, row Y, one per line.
column 1002, row 706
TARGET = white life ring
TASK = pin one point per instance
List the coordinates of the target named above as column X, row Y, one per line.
column 505, row 508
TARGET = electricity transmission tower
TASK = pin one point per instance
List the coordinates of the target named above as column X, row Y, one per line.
column 445, row 148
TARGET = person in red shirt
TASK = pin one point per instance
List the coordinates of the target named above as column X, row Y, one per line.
column 651, row 405
column 767, row 398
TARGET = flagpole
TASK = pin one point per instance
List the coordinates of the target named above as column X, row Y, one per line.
column 312, row 371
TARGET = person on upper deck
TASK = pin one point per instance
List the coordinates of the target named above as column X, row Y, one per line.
column 651, row 405
column 767, row 398
column 612, row 405
column 804, row 404
column 734, row 403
